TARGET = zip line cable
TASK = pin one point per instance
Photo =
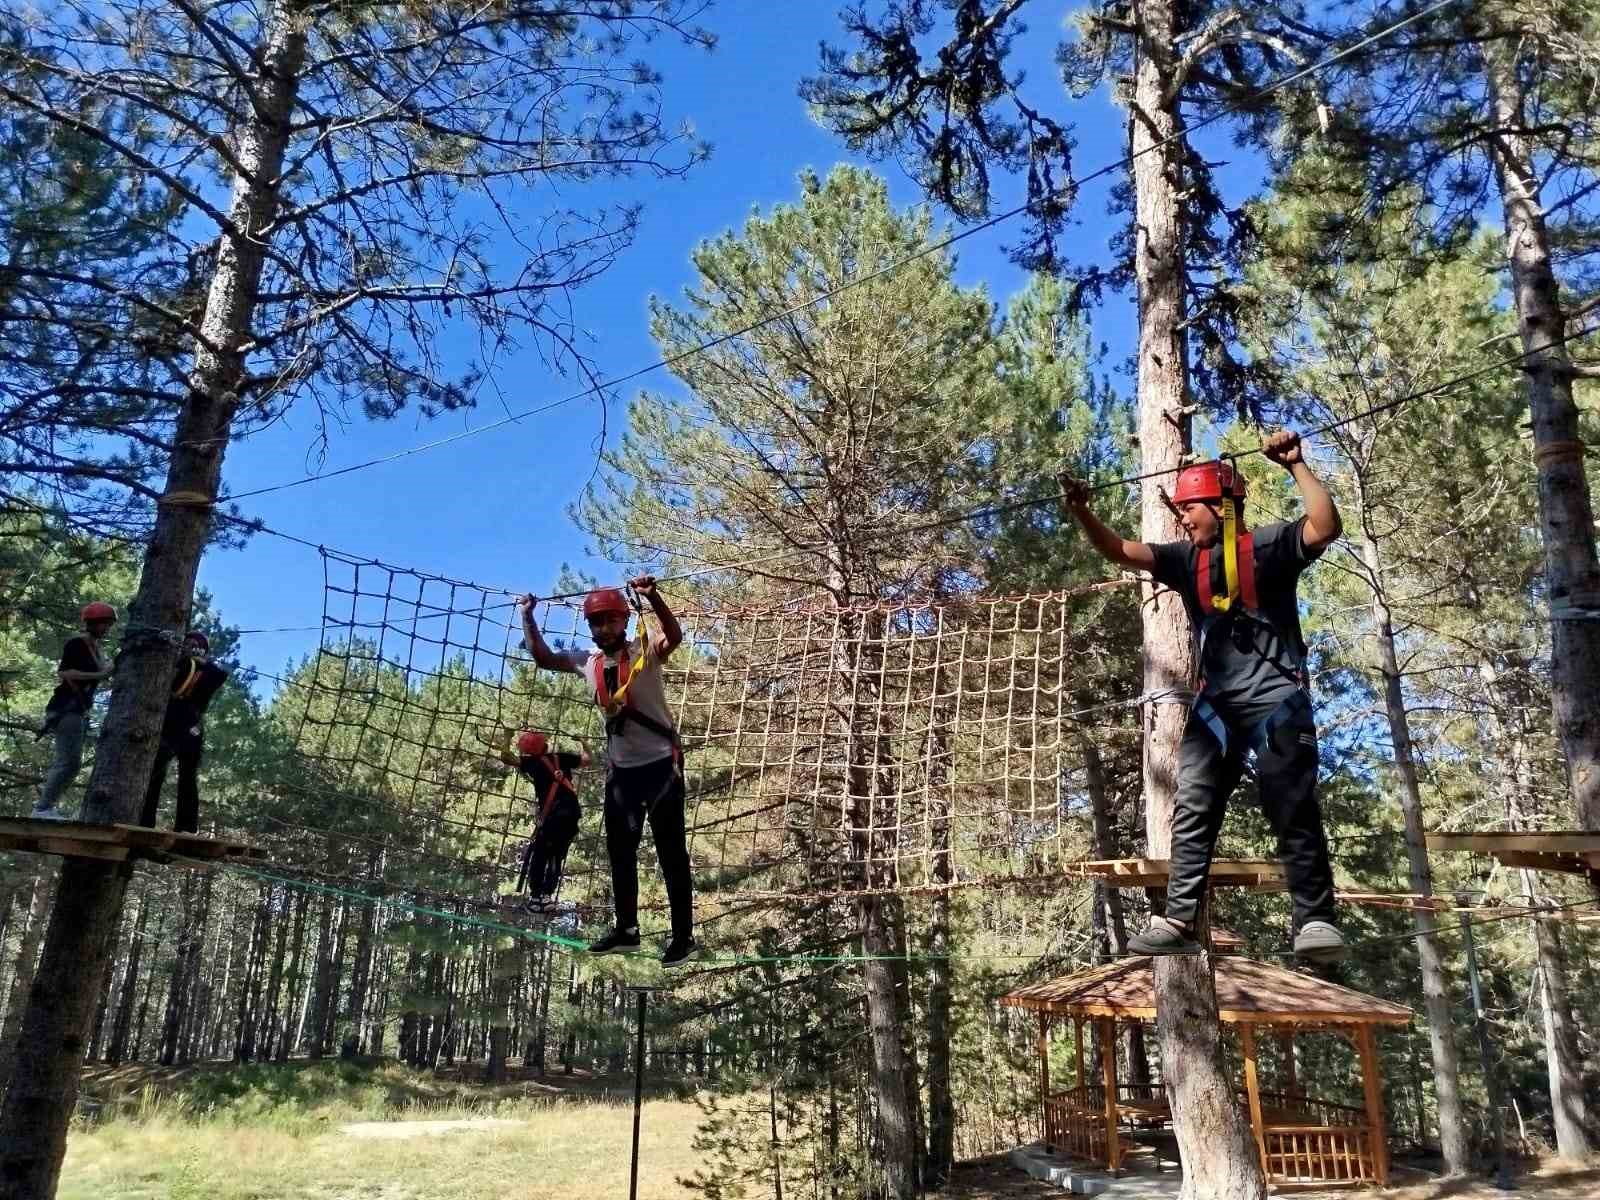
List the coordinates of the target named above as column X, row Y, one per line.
column 668, row 361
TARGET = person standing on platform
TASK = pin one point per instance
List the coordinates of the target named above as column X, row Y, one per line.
column 82, row 669
column 1239, row 587
column 183, row 733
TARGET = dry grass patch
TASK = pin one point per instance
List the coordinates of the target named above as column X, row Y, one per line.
column 559, row 1151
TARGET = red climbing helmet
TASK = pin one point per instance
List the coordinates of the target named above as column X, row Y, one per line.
column 530, row 743
column 1208, row 481
column 605, row 600
column 98, row 611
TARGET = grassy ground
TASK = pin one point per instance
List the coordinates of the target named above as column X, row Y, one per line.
column 275, row 1132
column 219, row 1132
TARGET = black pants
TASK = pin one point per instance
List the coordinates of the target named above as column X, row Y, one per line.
column 1286, row 767
column 547, row 853
column 187, row 747
column 654, row 790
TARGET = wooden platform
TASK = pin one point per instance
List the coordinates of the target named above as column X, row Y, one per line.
column 1261, row 873
column 1574, row 852
column 118, row 843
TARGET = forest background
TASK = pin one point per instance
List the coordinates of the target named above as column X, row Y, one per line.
column 1328, row 289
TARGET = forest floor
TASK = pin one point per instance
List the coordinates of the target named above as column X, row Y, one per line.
column 335, row 1130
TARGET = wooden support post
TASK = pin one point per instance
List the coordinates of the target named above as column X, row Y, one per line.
column 1108, row 1069
column 1252, row 1091
column 1077, row 1045
column 1371, row 1082
column 1044, row 1079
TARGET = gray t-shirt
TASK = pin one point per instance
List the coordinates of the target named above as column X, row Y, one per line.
column 635, row 746
column 1251, row 660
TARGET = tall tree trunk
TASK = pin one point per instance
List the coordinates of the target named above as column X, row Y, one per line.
column 1566, row 516
column 1454, row 1136
column 1108, row 900
column 941, row 1010
column 322, row 991
column 117, row 1052
column 283, row 1008
column 1218, row 1150
column 178, row 984
column 27, row 961
column 251, row 1012
column 501, row 971
column 44, row 1088
column 1563, row 1059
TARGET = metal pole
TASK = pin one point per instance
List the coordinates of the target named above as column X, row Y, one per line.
column 1491, row 1081
column 638, row 1098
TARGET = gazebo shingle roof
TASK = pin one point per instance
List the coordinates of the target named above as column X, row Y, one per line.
column 1248, row 993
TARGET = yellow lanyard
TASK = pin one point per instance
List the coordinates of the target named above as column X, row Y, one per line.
column 621, row 694
column 1230, row 555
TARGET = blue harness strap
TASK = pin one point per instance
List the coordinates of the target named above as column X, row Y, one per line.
column 1258, row 735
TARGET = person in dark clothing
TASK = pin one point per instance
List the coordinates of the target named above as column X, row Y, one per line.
column 644, row 760
column 556, row 808
column 1239, row 588
column 183, row 734
column 82, row 669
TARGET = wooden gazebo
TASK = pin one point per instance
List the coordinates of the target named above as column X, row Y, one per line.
column 1300, row 1139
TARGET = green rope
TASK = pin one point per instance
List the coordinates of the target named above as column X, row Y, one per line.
column 575, row 944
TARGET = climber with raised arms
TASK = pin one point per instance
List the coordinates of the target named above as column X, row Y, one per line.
column 1239, row 587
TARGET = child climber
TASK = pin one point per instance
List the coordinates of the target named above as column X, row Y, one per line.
column 644, row 759
column 82, row 669
column 555, row 801
column 1239, row 589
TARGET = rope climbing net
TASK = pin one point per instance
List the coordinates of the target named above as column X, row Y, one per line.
column 829, row 751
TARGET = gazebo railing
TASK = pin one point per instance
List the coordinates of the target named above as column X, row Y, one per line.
column 1072, row 1127
column 1320, row 1153
column 1312, row 1110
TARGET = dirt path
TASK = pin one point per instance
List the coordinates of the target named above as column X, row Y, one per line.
column 996, row 1179
column 400, row 1130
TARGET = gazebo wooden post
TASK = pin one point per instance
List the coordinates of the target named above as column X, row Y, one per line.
column 1044, row 1078
column 1371, row 1082
column 1252, row 1091
column 1077, row 1048
column 1108, row 1067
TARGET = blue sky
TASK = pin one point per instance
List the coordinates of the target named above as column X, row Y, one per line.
column 493, row 508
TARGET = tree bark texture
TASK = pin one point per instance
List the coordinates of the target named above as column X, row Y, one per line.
column 1219, row 1154
column 44, row 1087
column 1454, row 1136
column 1566, row 516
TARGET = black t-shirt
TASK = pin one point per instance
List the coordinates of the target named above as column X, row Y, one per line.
column 1252, row 659
column 196, row 682
column 77, row 655
column 536, row 770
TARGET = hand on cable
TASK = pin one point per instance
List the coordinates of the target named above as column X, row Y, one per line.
column 1283, row 448
column 1074, row 491
column 645, row 585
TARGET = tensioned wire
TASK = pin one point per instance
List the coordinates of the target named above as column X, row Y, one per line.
column 944, row 243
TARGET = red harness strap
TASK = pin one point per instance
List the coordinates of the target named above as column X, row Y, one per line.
column 558, row 781
column 1247, row 576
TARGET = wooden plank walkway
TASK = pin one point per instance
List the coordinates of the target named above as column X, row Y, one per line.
column 118, row 843
column 1572, row 852
column 1260, row 873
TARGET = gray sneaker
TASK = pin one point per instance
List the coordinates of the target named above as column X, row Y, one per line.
column 43, row 813
column 1163, row 937
column 1320, row 942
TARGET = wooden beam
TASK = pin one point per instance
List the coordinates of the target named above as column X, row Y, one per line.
column 1372, row 1085
column 1108, row 1071
column 1252, row 1091
column 1044, row 1078
column 1077, row 1049
column 1260, row 873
